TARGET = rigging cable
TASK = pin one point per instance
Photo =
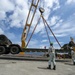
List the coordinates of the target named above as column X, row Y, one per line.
column 32, row 32
column 46, row 31
column 51, row 30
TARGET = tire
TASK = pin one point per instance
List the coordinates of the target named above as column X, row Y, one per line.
column 2, row 49
column 14, row 49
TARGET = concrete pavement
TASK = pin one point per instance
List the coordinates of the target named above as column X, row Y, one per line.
column 20, row 67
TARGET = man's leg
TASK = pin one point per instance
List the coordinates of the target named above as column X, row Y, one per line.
column 74, row 61
column 49, row 64
column 54, row 64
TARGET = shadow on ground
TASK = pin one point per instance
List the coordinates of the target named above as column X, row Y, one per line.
column 69, row 64
column 45, row 68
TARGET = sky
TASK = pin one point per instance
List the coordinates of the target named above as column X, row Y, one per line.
column 59, row 14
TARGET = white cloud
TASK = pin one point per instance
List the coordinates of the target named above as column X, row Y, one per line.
column 42, row 32
column 1, row 31
column 18, row 7
column 33, row 44
column 39, row 27
column 55, row 43
column 19, row 17
column 43, row 41
column 21, row 2
column 70, row 1
column 15, row 39
column 59, row 35
column 2, row 15
column 6, row 5
column 37, row 44
column 11, row 36
column 17, row 42
column 58, row 24
column 20, row 10
column 57, row 5
column 15, row 23
column 54, row 19
column 47, row 12
column 65, row 28
column 49, row 3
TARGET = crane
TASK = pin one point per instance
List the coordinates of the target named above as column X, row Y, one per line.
column 6, row 46
column 28, row 25
column 45, row 24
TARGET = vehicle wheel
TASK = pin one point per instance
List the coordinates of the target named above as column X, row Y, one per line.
column 14, row 50
column 2, row 49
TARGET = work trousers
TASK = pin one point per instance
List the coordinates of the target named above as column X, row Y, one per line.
column 52, row 59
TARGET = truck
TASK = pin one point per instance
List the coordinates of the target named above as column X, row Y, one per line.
column 7, row 47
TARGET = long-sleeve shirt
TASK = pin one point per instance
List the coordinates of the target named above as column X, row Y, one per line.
column 51, row 49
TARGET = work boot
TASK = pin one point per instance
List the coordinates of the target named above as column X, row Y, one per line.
column 54, row 68
column 73, row 63
column 49, row 67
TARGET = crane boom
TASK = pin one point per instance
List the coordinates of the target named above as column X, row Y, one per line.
column 28, row 25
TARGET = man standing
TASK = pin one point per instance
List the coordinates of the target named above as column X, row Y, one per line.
column 51, row 52
column 73, row 56
column 72, row 48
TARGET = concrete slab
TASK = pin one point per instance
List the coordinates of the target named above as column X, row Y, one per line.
column 18, row 67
